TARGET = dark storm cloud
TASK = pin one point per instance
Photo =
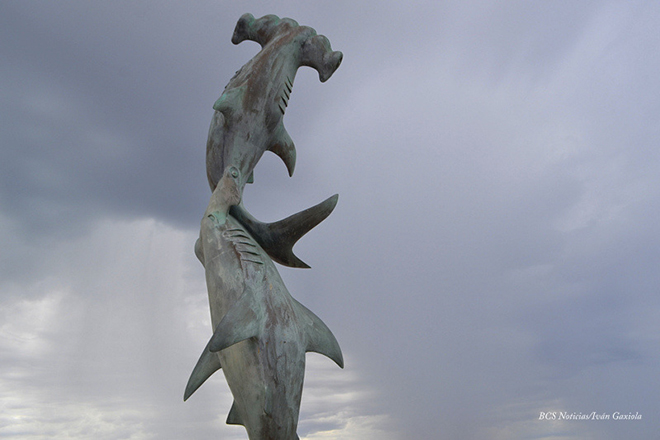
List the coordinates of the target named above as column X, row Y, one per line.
column 107, row 108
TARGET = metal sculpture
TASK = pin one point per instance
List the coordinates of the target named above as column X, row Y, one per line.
column 261, row 333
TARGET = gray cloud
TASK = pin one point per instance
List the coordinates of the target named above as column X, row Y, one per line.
column 493, row 253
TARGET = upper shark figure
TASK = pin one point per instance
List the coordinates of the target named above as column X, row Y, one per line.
column 248, row 120
column 248, row 114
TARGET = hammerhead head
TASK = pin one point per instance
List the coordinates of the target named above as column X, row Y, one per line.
column 248, row 121
column 261, row 332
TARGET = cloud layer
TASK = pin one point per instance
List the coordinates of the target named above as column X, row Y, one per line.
column 493, row 255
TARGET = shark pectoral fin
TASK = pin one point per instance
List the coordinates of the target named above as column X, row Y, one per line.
column 283, row 146
column 244, row 320
column 233, row 418
column 319, row 337
column 278, row 238
column 207, row 364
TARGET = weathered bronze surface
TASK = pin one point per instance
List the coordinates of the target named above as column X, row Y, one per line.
column 261, row 333
column 248, row 118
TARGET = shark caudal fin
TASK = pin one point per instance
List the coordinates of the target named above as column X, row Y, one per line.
column 319, row 337
column 244, row 320
column 207, row 364
column 278, row 238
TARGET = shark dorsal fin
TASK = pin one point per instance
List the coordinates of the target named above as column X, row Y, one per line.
column 318, row 336
column 207, row 364
column 244, row 320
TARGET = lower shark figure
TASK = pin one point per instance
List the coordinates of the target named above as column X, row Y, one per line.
column 261, row 332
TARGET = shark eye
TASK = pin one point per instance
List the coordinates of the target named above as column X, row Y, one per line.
column 234, row 173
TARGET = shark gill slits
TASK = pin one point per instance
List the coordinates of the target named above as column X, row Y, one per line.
column 235, row 232
column 251, row 260
column 286, row 93
column 241, row 235
column 244, row 245
column 250, row 257
column 243, row 249
column 245, row 241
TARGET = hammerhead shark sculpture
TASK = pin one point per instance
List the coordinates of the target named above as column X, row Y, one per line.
column 261, row 333
column 248, row 120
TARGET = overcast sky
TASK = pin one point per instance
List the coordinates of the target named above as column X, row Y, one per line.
column 495, row 252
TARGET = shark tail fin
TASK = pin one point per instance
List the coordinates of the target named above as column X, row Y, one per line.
column 278, row 238
column 207, row 364
column 319, row 337
column 242, row 321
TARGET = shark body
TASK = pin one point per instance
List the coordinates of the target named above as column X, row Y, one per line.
column 261, row 332
column 248, row 120
column 248, row 115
